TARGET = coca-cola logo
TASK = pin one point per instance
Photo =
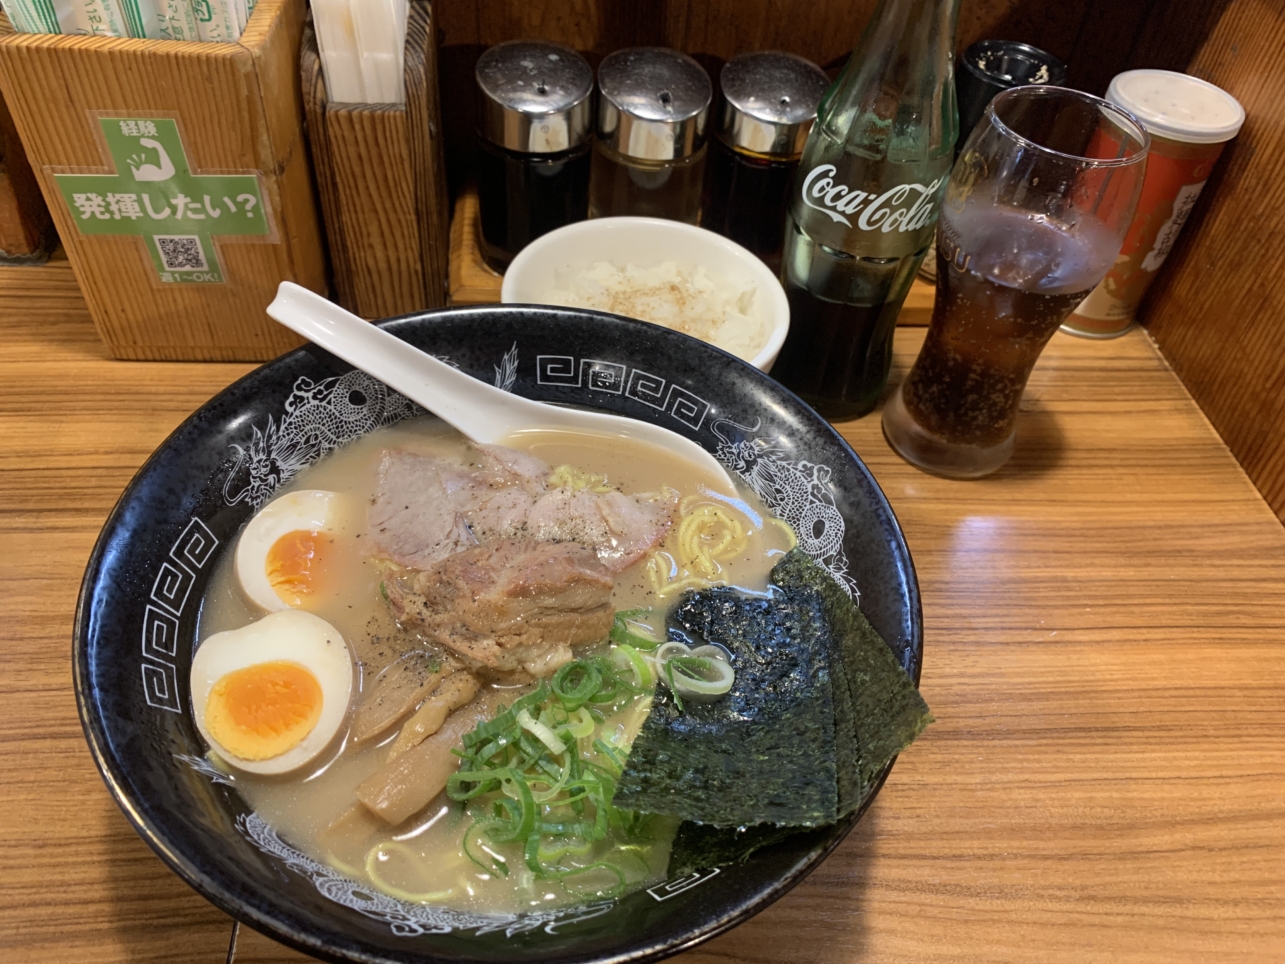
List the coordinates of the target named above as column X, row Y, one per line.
column 905, row 207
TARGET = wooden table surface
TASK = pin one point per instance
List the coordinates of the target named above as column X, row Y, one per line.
column 1105, row 627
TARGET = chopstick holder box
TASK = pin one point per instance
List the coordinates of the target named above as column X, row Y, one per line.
column 382, row 183
column 177, row 175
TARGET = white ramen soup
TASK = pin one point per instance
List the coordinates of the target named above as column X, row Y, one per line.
column 477, row 596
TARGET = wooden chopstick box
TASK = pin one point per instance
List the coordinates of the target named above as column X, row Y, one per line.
column 177, row 175
column 381, row 176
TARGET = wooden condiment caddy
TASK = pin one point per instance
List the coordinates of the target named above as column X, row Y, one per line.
column 177, row 175
column 381, row 176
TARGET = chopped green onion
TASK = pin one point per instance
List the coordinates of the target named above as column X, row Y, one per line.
column 697, row 676
column 505, row 720
column 541, row 781
column 520, row 813
column 671, row 649
column 610, row 754
column 712, row 652
column 628, row 630
column 576, row 682
column 673, row 689
column 626, row 656
column 581, row 724
column 541, row 732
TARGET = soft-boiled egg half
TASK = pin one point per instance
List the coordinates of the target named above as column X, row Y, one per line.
column 270, row 696
column 285, row 551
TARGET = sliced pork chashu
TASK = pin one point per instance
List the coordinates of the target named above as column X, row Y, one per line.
column 510, row 605
column 417, row 516
column 427, row 509
column 619, row 528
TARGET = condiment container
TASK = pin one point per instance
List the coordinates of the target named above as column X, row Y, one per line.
column 533, row 139
column 649, row 155
column 1189, row 121
column 990, row 66
column 769, row 101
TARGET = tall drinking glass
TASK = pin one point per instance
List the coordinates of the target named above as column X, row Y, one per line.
column 1034, row 215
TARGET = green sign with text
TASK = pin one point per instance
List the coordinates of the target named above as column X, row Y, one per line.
column 154, row 195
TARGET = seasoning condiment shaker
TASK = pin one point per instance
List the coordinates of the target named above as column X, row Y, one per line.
column 769, row 101
column 649, row 154
column 990, row 66
column 534, row 130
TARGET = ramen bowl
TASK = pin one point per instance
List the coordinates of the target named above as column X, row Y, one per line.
column 136, row 624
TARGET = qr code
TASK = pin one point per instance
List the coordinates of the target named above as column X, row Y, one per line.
column 181, row 252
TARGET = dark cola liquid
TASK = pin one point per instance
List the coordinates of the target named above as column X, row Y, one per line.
column 840, row 360
column 843, row 312
column 1005, row 282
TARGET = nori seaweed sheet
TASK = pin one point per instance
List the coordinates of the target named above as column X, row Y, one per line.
column 765, row 753
column 698, row 846
column 875, row 714
column 888, row 710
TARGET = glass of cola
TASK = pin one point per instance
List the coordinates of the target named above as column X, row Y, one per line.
column 1034, row 215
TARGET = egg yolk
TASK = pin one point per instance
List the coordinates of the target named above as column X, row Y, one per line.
column 295, row 563
column 259, row 712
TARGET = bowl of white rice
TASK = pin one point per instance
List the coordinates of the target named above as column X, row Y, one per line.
column 664, row 272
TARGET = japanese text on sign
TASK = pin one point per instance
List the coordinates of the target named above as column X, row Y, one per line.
column 153, row 194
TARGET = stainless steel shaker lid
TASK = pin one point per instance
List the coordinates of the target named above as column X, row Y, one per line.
column 770, row 101
column 653, row 103
column 536, row 97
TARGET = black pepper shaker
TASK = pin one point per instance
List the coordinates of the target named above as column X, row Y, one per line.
column 533, row 144
column 990, row 66
column 769, row 101
column 649, row 155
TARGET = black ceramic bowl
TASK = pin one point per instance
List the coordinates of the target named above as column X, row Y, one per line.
column 136, row 622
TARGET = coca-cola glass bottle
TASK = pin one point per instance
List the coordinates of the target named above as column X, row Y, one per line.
column 865, row 203
column 1034, row 216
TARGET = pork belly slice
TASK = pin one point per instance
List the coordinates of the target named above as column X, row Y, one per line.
column 501, row 516
column 620, row 528
column 511, row 605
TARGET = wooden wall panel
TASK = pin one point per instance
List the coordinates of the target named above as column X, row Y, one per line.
column 1218, row 310
column 823, row 32
column 1097, row 38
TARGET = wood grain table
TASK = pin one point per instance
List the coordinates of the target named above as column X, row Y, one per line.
column 1105, row 655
